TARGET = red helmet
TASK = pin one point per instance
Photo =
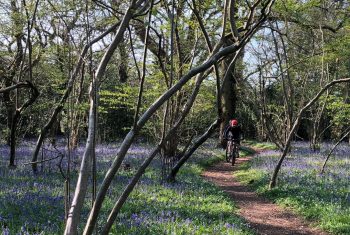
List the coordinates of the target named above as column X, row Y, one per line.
column 233, row 122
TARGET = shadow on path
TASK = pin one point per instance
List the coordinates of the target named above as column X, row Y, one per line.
column 263, row 216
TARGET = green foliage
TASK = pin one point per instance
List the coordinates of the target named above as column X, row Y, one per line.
column 338, row 110
column 122, row 95
column 339, row 113
column 116, row 109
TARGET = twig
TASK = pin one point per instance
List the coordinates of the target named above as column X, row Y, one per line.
column 46, row 160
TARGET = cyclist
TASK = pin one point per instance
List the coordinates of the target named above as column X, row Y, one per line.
column 233, row 131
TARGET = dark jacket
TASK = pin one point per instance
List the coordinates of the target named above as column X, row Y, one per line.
column 233, row 132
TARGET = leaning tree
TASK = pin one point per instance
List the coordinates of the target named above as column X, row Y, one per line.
column 255, row 16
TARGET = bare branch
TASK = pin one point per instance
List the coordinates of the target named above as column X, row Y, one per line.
column 232, row 11
column 13, row 87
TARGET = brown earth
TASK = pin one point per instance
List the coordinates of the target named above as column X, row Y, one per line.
column 262, row 215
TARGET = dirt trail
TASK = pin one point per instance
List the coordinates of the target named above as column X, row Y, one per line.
column 262, row 215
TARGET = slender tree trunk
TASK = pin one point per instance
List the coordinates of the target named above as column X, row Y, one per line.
column 80, row 190
column 13, row 138
column 85, row 167
column 347, row 101
column 77, row 114
column 316, row 133
column 286, row 87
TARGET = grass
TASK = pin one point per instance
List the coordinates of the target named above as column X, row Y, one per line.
column 246, row 151
column 260, row 145
column 35, row 204
column 323, row 199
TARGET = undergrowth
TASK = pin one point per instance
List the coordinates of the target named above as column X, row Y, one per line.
column 34, row 204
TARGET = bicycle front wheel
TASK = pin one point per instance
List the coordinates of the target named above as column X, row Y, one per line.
column 227, row 154
column 233, row 160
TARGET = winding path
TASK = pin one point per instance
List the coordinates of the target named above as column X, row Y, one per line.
column 263, row 216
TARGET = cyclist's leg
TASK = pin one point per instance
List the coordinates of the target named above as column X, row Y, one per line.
column 234, row 153
column 232, row 149
column 227, row 154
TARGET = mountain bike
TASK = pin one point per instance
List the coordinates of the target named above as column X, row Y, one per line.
column 232, row 151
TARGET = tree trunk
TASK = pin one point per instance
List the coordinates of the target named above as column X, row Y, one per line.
column 16, row 117
column 85, row 167
column 77, row 114
column 13, row 138
column 229, row 92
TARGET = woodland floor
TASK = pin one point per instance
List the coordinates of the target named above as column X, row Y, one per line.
column 262, row 215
